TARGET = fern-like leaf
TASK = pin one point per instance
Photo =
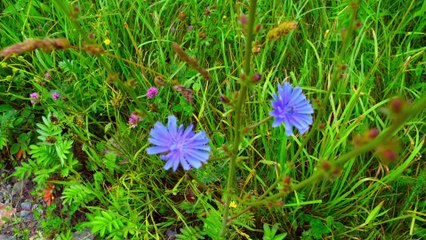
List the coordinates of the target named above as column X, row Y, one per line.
column 213, row 225
column 106, row 223
column 76, row 193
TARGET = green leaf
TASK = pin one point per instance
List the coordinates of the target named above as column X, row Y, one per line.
column 15, row 148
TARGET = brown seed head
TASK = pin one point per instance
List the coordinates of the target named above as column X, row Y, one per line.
column 182, row 16
column 282, row 30
column 202, row 35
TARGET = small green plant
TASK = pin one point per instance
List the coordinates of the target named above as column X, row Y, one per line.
column 52, row 154
column 271, row 233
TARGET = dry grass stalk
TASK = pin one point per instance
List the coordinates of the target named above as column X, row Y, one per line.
column 31, row 45
column 191, row 61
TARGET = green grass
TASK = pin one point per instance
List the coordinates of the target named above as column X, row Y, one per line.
column 127, row 193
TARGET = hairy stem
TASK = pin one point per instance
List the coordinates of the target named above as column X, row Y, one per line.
column 238, row 115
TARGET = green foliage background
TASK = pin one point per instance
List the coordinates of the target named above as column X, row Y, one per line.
column 111, row 185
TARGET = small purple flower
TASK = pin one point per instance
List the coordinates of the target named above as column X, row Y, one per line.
column 34, row 97
column 48, row 76
column 134, row 120
column 56, row 96
column 190, row 28
column 292, row 108
column 179, row 145
column 152, row 92
column 172, row 28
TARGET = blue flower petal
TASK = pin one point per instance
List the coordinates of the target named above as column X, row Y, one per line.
column 156, row 150
column 179, row 145
column 291, row 107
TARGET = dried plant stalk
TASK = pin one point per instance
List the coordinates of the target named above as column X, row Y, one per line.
column 31, row 45
column 191, row 61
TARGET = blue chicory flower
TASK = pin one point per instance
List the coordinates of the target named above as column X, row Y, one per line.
column 291, row 107
column 179, row 145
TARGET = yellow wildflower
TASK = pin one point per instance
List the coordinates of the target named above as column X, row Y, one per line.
column 232, row 204
column 107, row 41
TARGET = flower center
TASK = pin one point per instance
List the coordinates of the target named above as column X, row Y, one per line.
column 176, row 145
column 286, row 110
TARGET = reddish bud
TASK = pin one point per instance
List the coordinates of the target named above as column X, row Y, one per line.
column 390, row 155
column 326, row 165
column 280, row 204
column 336, row 172
column 396, row 105
column 91, row 36
column 243, row 20
column 224, row 99
column 76, row 8
column 258, row 27
column 255, row 78
column 243, row 76
column 287, row 180
column 373, row 133
column 269, row 204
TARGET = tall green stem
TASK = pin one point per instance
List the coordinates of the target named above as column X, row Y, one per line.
column 238, row 114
